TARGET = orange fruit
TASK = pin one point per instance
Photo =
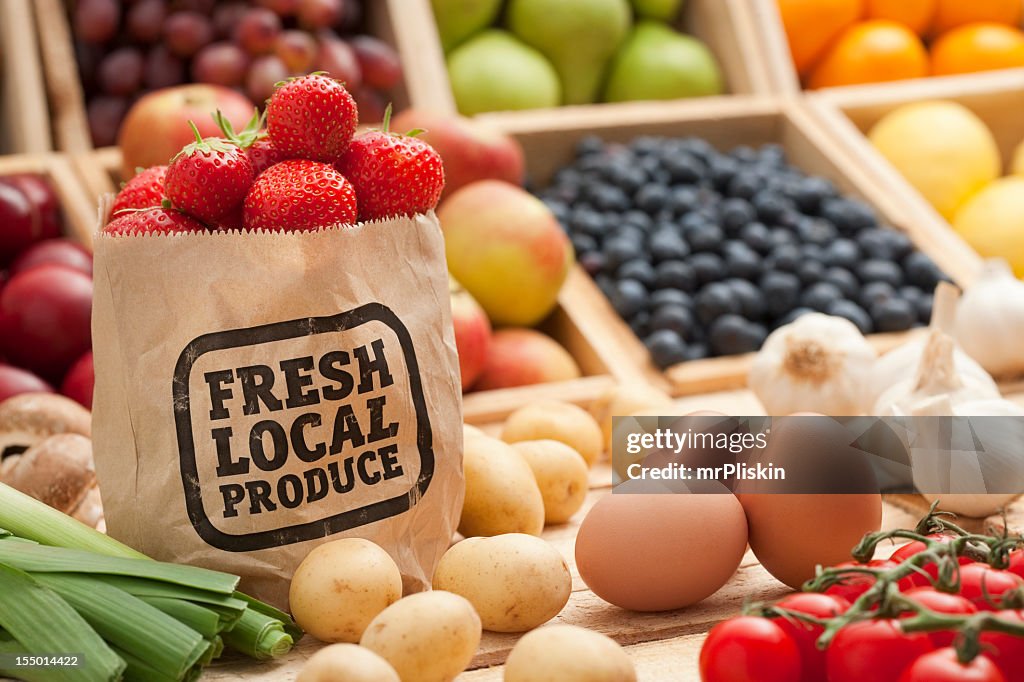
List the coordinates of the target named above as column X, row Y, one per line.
column 952, row 13
column 812, row 25
column 871, row 52
column 978, row 47
column 914, row 14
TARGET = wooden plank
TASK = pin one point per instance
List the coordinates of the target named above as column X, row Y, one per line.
column 24, row 117
column 63, row 87
column 78, row 210
column 419, row 46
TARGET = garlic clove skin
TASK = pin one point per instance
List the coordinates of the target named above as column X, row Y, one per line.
column 990, row 320
column 818, row 363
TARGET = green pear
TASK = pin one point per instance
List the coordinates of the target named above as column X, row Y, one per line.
column 579, row 37
column 662, row 10
column 459, row 20
column 656, row 62
column 496, row 72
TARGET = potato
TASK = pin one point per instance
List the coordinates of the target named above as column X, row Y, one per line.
column 515, row 581
column 469, row 431
column 340, row 586
column 561, row 475
column 346, row 663
column 564, row 422
column 624, row 400
column 501, row 492
column 558, row 653
column 426, row 637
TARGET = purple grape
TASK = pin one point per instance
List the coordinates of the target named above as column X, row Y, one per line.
column 162, row 68
column 120, row 72
column 95, row 21
column 201, row 6
column 314, row 14
column 227, row 16
column 186, row 32
column 351, row 16
column 257, row 31
column 297, row 49
column 263, row 74
column 378, row 62
column 282, row 8
column 338, row 59
column 105, row 115
column 220, row 63
column 145, row 20
column 371, row 105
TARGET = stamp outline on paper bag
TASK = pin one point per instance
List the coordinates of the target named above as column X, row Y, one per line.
column 282, row 331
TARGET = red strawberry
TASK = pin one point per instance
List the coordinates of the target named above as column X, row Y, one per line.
column 155, row 220
column 253, row 139
column 264, row 154
column 208, row 178
column 145, row 190
column 312, row 117
column 299, row 195
column 393, row 174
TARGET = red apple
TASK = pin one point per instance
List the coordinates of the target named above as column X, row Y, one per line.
column 522, row 357
column 156, row 127
column 471, row 150
column 59, row 251
column 45, row 319
column 14, row 380
column 472, row 333
column 78, row 382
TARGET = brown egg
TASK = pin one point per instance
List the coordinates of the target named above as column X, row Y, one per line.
column 658, row 552
column 818, row 523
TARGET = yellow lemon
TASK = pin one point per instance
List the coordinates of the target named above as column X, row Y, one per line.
column 942, row 148
column 993, row 222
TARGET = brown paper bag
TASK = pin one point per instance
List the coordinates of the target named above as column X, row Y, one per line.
column 259, row 393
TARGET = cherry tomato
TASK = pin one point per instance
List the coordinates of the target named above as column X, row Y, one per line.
column 985, row 585
column 1017, row 563
column 1006, row 651
column 876, row 650
column 749, row 649
column 912, row 548
column 857, row 584
column 943, row 666
column 941, row 602
column 806, row 634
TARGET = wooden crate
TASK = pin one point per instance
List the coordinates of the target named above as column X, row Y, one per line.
column 849, row 113
column 24, row 120
column 78, row 209
column 70, row 129
column 774, row 44
column 725, row 25
column 549, row 138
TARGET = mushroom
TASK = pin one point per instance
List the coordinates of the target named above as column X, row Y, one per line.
column 57, row 471
column 90, row 510
column 29, row 418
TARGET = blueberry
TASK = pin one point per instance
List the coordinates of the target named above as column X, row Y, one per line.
column 699, row 147
column 628, row 233
column 844, row 280
column 816, row 231
column 736, row 214
column 670, row 298
column 757, row 237
column 647, row 144
column 732, row 335
column 742, row 261
column 772, row 155
column 843, row 253
column 852, row 312
column 684, row 168
column 809, row 193
column 675, row 274
column 677, row 318
column 744, row 185
column 695, row 221
column 873, row 293
column 820, row 296
column 558, row 208
column 589, row 144
column 786, row 258
column 909, row 293
column 750, row 298
column 924, row 308
column 618, row 251
column 715, row 300
column 893, row 315
column 637, row 219
column 880, row 271
column 810, row 272
column 722, row 170
column 665, row 244
column 875, row 243
column 628, row 298
column 771, row 207
column 641, row 324
column 683, row 200
column 922, row 271
column 608, row 198
column 638, row 269
column 697, row 351
column 652, row 198
column 708, row 267
column 588, row 222
column 709, row 238
column 583, row 243
column 666, row 347
column 848, row 215
column 744, row 154
column 781, row 292
column 605, row 283
column 783, row 237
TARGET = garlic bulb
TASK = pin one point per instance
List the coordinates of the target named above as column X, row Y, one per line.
column 901, row 363
column 990, row 320
column 817, row 363
column 962, row 459
column 936, row 375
